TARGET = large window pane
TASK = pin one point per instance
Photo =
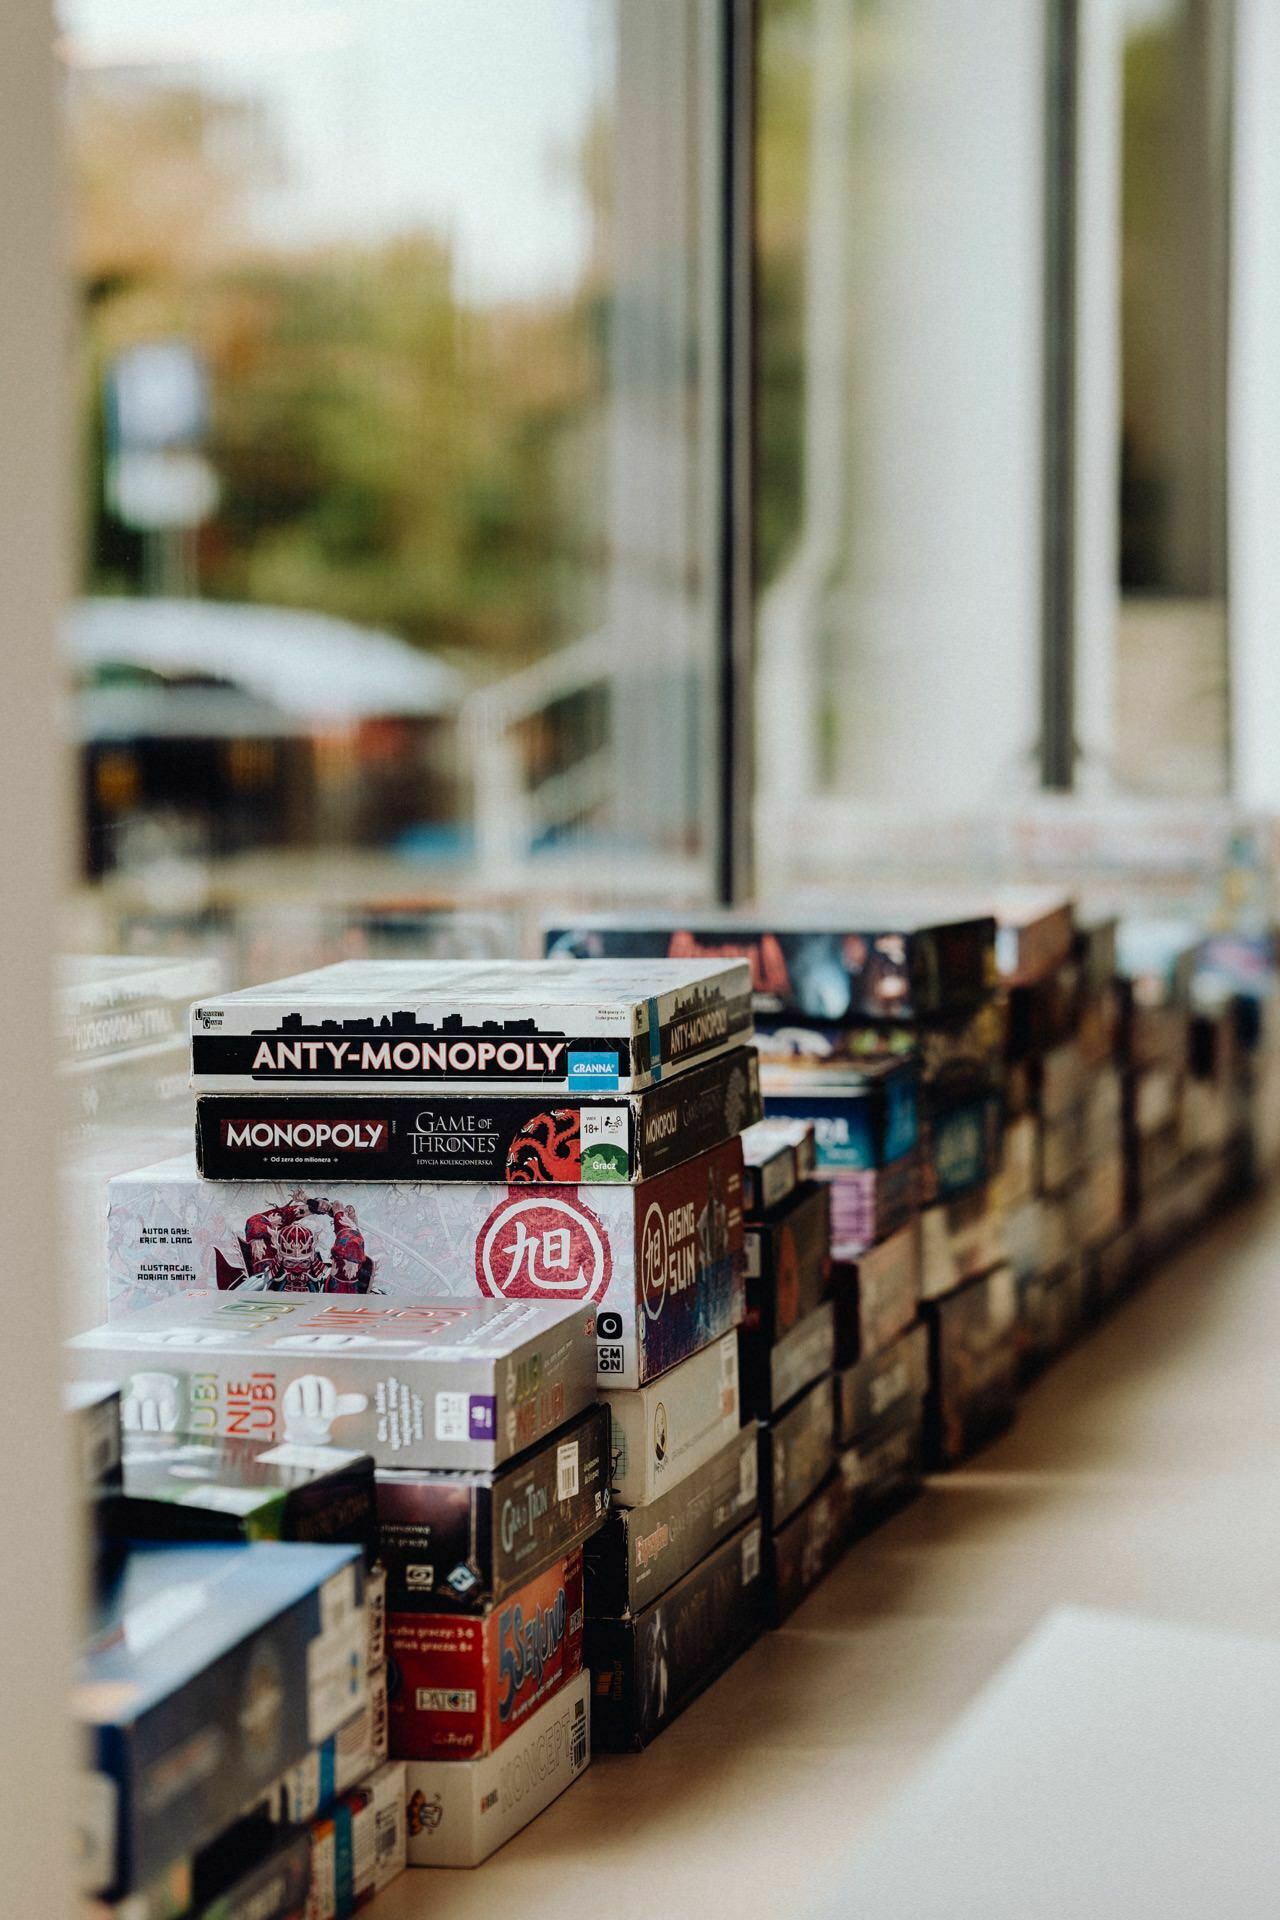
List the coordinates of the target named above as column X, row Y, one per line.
column 1171, row 732
column 901, row 263
column 399, row 419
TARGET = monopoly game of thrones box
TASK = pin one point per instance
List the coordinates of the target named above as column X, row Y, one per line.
column 547, row 1026
column 506, row 1138
column 445, row 1384
column 661, row 1263
column 882, row 959
column 646, row 1668
column 457, row 1541
column 461, row 1683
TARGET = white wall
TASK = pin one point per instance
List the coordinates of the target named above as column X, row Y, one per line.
column 36, row 1590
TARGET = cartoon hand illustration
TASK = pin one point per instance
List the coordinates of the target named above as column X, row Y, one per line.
column 152, row 1403
column 311, row 1405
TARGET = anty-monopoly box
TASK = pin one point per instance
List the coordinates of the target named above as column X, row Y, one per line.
column 554, row 1026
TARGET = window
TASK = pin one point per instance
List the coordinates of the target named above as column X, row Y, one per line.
column 900, row 224
column 399, row 414
column 1171, row 724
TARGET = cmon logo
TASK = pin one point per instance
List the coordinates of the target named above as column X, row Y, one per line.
column 546, row 1247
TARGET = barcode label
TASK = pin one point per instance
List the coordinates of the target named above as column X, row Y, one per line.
column 751, row 1557
column 578, row 1739
column 567, row 1471
column 388, row 1835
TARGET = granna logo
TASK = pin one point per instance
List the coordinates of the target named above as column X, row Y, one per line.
column 540, row 1247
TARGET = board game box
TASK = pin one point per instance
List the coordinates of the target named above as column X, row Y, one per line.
column 646, row 1668
column 778, row 1155
column 877, row 1294
column 253, row 1657
column 862, row 1115
column 500, row 1138
column 641, row 1551
column 883, row 1468
column 339, row 1763
column 788, row 1262
column 183, row 1486
column 675, row 1424
column 973, row 1364
column 875, row 1389
column 772, row 1373
column 961, row 1238
column 461, row 1684
column 549, row 1026
column 442, row 1384
column 797, row 1451
column 461, row 1811
column 660, row 1264
column 871, row 1204
column 251, row 1873
column 883, row 958
column 456, row 1542
column 358, row 1847
column 806, row 1548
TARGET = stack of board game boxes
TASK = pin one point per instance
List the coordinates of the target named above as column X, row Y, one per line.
column 883, row 1027
column 434, row 1209
column 1063, row 1183
column 231, row 1690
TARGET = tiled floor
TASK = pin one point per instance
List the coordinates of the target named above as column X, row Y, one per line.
column 1141, row 1476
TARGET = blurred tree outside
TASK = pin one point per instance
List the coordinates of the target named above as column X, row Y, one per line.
column 385, row 451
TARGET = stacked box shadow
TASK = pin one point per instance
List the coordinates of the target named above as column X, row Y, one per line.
column 456, row 1542
column 647, row 1667
column 519, row 1139
column 827, row 973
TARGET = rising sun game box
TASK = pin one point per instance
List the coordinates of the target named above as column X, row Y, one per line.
column 641, row 1551
column 208, row 1672
column 645, row 1669
column 661, row 1263
column 549, row 1026
column 503, row 1138
column 441, row 1384
column 461, row 1684
column 458, row 1541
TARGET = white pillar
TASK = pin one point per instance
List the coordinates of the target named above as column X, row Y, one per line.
column 1097, row 427
column 1253, row 410
column 916, row 643
column 38, row 1590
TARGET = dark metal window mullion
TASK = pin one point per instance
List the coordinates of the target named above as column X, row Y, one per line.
column 1057, row 755
column 734, row 857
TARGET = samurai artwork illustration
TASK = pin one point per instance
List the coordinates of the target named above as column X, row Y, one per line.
column 305, row 1245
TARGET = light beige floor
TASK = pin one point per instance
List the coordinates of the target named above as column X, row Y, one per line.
column 1141, row 1476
